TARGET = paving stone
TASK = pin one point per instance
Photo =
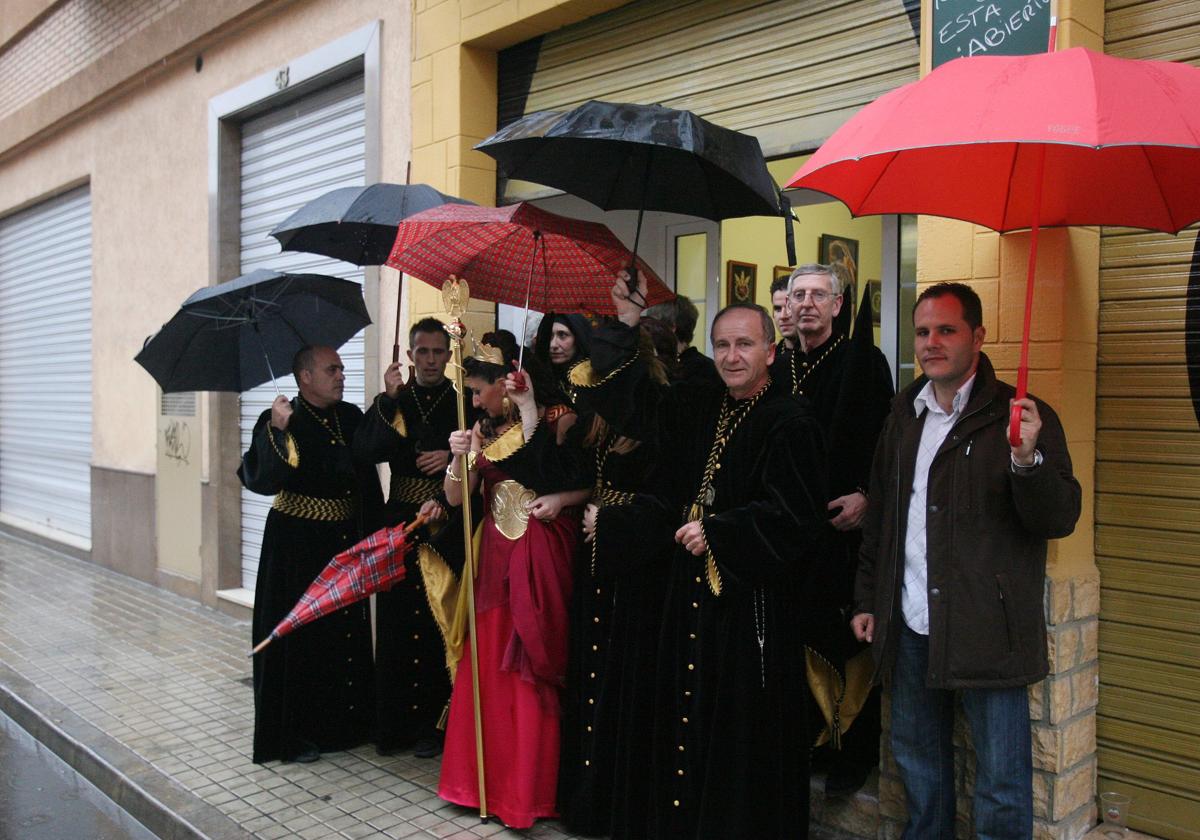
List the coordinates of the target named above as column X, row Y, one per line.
column 163, row 676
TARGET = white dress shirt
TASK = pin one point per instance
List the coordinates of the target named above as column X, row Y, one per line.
column 914, row 595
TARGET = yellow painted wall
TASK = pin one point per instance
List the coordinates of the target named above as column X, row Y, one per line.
column 454, row 100
column 1063, row 336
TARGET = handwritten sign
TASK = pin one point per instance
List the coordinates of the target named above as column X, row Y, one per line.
column 963, row 28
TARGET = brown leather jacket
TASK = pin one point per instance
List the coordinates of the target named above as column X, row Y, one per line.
column 987, row 532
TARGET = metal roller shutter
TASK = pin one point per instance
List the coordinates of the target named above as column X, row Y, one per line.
column 290, row 156
column 1148, row 488
column 789, row 73
column 46, row 367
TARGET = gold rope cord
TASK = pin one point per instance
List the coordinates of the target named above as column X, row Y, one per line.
column 731, row 416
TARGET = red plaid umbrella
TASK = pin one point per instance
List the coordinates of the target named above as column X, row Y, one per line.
column 519, row 255
column 368, row 566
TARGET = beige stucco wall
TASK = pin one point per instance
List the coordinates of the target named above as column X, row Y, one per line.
column 15, row 15
column 146, row 156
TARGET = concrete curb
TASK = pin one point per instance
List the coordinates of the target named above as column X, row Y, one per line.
column 148, row 795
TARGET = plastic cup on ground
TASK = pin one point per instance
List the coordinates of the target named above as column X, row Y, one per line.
column 1114, row 811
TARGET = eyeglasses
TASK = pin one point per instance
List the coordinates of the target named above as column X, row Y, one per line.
column 818, row 296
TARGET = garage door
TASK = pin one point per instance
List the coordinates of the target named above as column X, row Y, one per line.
column 789, row 73
column 1148, row 486
column 46, row 368
column 290, row 156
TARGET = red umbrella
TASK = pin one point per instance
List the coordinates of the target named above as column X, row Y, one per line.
column 1058, row 138
column 368, row 566
column 519, row 255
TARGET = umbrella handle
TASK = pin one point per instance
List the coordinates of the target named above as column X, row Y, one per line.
column 1014, row 416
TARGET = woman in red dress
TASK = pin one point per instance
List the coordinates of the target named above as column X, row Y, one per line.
column 522, row 591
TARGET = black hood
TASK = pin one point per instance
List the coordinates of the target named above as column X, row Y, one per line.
column 576, row 323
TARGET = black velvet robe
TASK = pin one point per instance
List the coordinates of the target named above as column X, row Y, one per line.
column 729, row 742
column 412, row 685
column 313, row 685
column 616, row 609
column 850, row 390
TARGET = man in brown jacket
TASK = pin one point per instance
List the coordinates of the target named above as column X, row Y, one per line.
column 950, row 577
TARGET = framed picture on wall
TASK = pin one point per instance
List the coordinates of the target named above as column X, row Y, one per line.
column 740, row 280
column 876, row 289
column 784, row 271
column 841, row 252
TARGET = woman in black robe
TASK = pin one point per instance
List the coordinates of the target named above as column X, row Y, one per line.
column 563, row 340
column 615, row 619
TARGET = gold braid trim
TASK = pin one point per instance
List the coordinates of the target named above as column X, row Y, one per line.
column 397, row 422
column 505, row 445
column 292, row 457
column 710, row 566
column 313, row 507
column 411, row 490
column 602, row 496
column 583, row 375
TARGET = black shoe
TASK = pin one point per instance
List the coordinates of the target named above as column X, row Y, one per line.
column 428, row 746
column 845, row 780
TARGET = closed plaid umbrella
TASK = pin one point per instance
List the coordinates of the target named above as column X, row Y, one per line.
column 368, row 566
column 519, row 255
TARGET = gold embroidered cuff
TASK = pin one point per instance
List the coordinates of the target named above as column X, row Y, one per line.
column 397, row 422
column 583, row 375
column 292, row 456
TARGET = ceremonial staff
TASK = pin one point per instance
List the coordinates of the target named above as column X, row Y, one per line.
column 455, row 294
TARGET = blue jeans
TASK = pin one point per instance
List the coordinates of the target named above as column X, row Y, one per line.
column 923, row 746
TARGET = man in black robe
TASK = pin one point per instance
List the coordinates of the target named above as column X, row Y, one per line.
column 849, row 385
column 312, row 688
column 783, row 318
column 691, row 367
column 409, row 426
column 738, row 490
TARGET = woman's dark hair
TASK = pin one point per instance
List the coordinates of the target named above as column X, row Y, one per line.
column 506, row 343
column 545, row 388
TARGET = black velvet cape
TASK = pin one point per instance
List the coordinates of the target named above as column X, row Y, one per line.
column 313, row 685
column 729, row 744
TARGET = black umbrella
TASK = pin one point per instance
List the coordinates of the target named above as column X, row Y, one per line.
column 236, row 335
column 357, row 224
column 639, row 157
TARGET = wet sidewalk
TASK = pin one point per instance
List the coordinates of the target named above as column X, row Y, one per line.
column 147, row 695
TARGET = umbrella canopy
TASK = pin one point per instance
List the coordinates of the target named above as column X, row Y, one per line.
column 639, row 157
column 519, row 255
column 1058, row 138
column 369, row 566
column 357, row 224
column 1120, row 139
column 236, row 335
